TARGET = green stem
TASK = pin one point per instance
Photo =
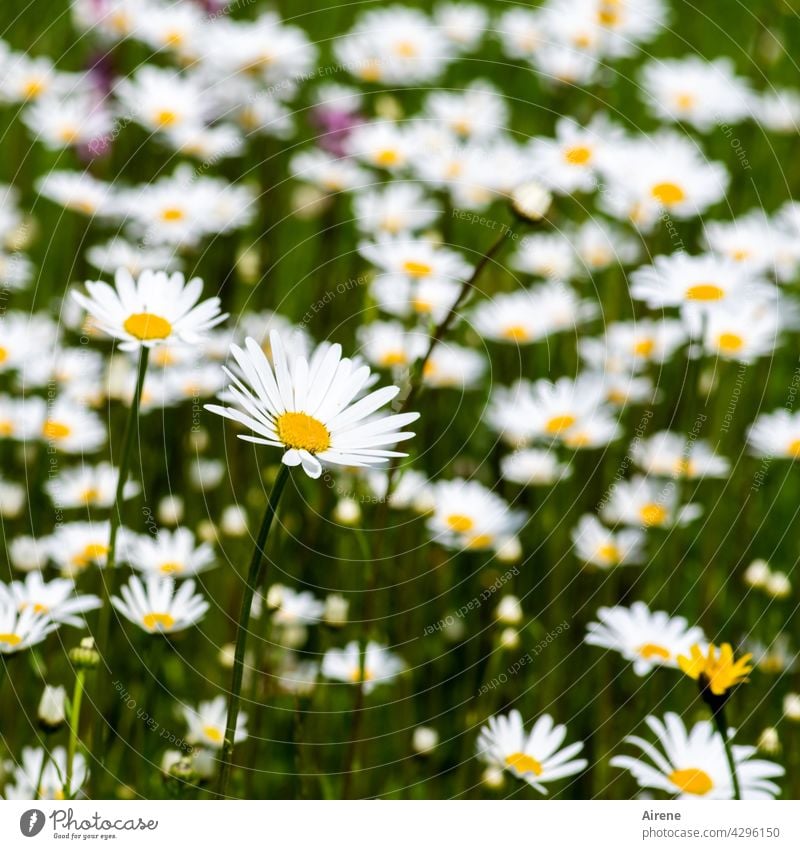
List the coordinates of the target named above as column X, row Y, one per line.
column 74, row 721
column 722, row 727
column 116, row 510
column 254, row 577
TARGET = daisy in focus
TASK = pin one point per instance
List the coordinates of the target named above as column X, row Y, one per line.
column 157, row 607
column 310, row 410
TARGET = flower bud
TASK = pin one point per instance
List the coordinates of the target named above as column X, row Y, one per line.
column 170, row 510
column 757, row 574
column 509, row 610
column 510, row 550
column 791, row 706
column 85, row 655
column 493, row 777
column 424, row 740
column 769, row 742
column 530, row 201
column 336, row 610
column 347, row 511
column 233, row 521
column 779, row 585
column 52, row 708
column 509, row 639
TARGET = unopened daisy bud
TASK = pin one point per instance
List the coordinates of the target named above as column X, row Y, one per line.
column 292, row 636
column 388, row 107
column 233, row 521
column 493, row 777
column 198, row 439
column 531, row 200
column 170, row 510
column 769, row 742
column 425, row 740
column 169, row 759
column 336, row 610
column 778, row 585
column 226, row 655
column 52, row 708
column 757, row 573
column 274, row 597
column 510, row 550
column 509, row 638
column 207, row 531
column 791, row 706
column 454, row 628
column 509, row 610
column 85, row 655
column 309, row 202
column 347, row 511
column 206, row 474
column 248, row 264
column 183, row 771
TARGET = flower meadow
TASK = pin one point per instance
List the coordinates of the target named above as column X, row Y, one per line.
column 399, row 400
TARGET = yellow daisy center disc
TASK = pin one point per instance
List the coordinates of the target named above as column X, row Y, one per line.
column 304, row 432
column 147, row 326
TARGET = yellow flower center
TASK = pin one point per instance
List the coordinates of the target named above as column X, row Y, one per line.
column 157, row 620
column 213, row 733
column 740, row 254
column 516, row 333
column 147, row 326
column 173, row 213
column 609, row 553
column 166, row 118
column 644, row 347
column 558, row 424
column 33, row 88
column 683, row 467
column 6, row 427
column 90, row 495
column 460, row 523
column 170, row 567
column 387, row 157
column 794, row 449
column 3, row 354
column 730, row 343
column 652, row 650
column 417, row 269
column 685, row 100
column 668, row 194
column 370, row 71
column 173, row 39
column 523, row 764
column 405, row 48
column 393, row 358
column 653, row 514
column 420, row 305
column 68, row 134
column 578, row 439
column 608, row 17
column 694, row 781
column 301, row 431
column 704, row 292
column 480, row 541
column 55, row 430
column 10, row 639
column 93, row 551
column 578, row 155
column 40, row 608
column 355, row 675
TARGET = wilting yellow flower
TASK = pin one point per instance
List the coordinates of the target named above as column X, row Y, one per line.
column 718, row 672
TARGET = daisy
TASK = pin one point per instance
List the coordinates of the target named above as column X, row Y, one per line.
column 533, row 467
column 21, row 629
column 548, row 255
column 25, row 78
column 310, row 412
column 119, row 253
column 645, row 639
column 56, row 600
column 520, row 31
column 327, row 172
column 778, row 110
column 535, row 756
column 670, row 455
column 160, row 99
column 696, row 282
column 41, row 775
column 16, row 271
column 407, row 259
column 87, row 486
column 775, row 434
column 380, row 665
column 71, row 428
column 382, row 145
column 207, row 723
column 453, row 367
column 604, row 548
column 156, row 607
column 387, row 344
column 693, row 764
column 75, row 546
column 599, row 245
column 64, row 122
column 429, row 299
column 154, row 309
column 77, row 191
column 394, row 209
column 173, row 553
column 12, row 499
column 467, row 515
column 295, row 608
column 463, row 24
column 632, row 345
column 641, row 502
column 696, row 92
column 478, row 112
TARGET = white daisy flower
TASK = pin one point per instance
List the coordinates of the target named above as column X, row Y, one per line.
column 463, row 24
column 41, row 775
column 380, row 665
column 533, row 467
column 632, row 345
column 477, row 112
column 381, row 144
column 604, row 548
column 154, row 309
column 295, row 608
column 453, row 367
column 66, row 122
column 157, row 607
column 644, row 503
column 520, row 31
column 78, row 191
column 21, row 629
column 775, row 434
column 160, row 99
column 174, row 553
column 394, row 209
column 535, row 756
column 56, row 600
column 21, row 418
column 671, row 455
column 328, row 172
column 548, row 255
column 310, row 412
column 646, row 639
column 87, row 486
column 693, row 764
column 778, row 110
column 599, row 245
column 207, row 723
column 71, row 428
column 387, row 344
column 414, row 260
column 75, row 546
column 119, row 253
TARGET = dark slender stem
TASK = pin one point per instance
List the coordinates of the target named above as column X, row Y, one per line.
column 722, row 728
column 254, row 577
column 116, row 510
